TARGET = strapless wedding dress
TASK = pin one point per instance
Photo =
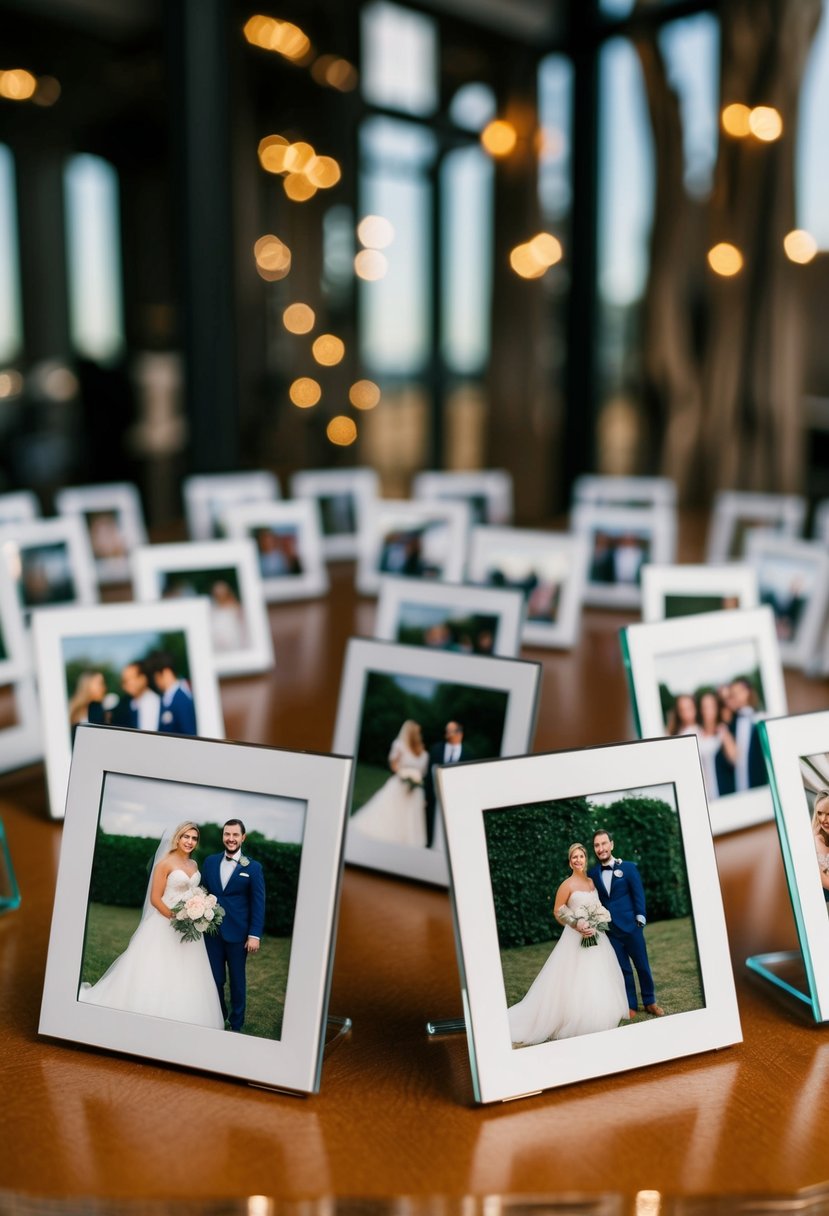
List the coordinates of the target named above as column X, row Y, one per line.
column 397, row 812
column 579, row 990
column 160, row 973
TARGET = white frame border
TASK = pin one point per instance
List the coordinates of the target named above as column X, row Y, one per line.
column 69, row 529
column 784, row 514
column 587, row 518
column 301, row 513
column 495, row 485
column 804, row 649
column 198, row 490
column 453, row 513
column 19, row 506
column 504, row 603
column 364, row 486
column 121, row 497
column 730, row 578
column 608, row 489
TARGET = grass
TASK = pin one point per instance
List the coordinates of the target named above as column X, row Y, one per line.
column 671, row 951
column 367, row 781
column 109, row 929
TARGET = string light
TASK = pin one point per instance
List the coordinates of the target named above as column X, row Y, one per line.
column 725, row 259
column 341, row 431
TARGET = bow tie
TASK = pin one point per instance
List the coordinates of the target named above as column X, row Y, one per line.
column 229, row 858
column 607, row 867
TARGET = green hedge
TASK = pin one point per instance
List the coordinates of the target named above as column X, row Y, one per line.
column 527, row 848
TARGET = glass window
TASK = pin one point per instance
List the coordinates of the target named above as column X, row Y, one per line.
column 93, row 239
column 11, row 329
column 467, row 181
column 812, row 163
column 691, row 48
column 399, row 60
column 555, row 106
column 473, row 106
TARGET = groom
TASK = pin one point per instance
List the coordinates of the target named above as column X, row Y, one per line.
column 620, row 889
column 451, row 751
column 238, row 883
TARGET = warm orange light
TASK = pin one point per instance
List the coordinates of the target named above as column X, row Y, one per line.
column 341, row 430
column 320, row 66
column 765, row 123
column 290, row 41
column 800, row 246
column 375, row 232
column 298, row 188
column 524, row 262
column 298, row 319
column 17, row 84
column 47, row 91
column 298, row 156
column 328, row 350
column 364, row 394
column 11, row 384
column 499, row 137
column 272, row 150
column 734, row 120
column 341, row 75
column 271, row 253
column 304, row 392
column 371, row 265
column 323, row 172
column 546, row 249
column 725, row 259
column 257, row 29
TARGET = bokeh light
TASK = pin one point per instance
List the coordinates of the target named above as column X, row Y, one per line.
column 298, row 156
column 342, row 430
column 371, row 265
column 273, row 258
column 305, row 392
column 11, row 384
column 17, row 84
column 524, row 262
column 725, row 259
column 323, row 172
column 283, row 37
column 546, row 249
column 800, row 246
column 734, row 120
column 499, row 137
column 47, row 91
column 375, row 232
column 364, row 394
column 328, row 350
column 765, row 123
column 271, row 151
column 298, row 188
column 298, row 318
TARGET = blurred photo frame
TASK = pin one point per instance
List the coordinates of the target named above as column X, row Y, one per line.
column 17, row 506
column 737, row 513
column 114, row 519
column 386, row 690
column 227, row 572
column 208, row 496
column 425, row 540
column 548, row 568
column 288, row 543
column 713, row 676
column 542, row 794
column 450, row 616
column 610, row 490
column 157, row 779
column 21, row 740
column 106, row 642
column 50, row 562
column 685, row 590
column 343, row 497
column 793, row 579
column 621, row 541
column 15, row 653
column 488, row 492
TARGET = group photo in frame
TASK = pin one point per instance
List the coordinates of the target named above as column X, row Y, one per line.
column 425, row 539
column 450, row 616
column 487, row 492
column 793, row 579
column 343, row 497
column 136, row 963
column 288, row 544
column 50, row 562
column 548, row 568
column 712, row 676
column 207, row 497
column 114, row 520
column 686, row 589
column 621, row 541
column 527, row 839
column 227, row 573
column 402, row 712
column 735, row 514
column 607, row 489
column 147, row 667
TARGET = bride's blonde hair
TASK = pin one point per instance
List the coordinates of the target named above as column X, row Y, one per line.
column 179, row 832
column 572, row 849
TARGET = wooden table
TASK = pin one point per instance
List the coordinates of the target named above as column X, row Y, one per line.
column 395, row 1116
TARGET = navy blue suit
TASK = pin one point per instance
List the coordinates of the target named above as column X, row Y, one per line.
column 179, row 717
column 243, row 900
column 757, row 774
column 624, row 902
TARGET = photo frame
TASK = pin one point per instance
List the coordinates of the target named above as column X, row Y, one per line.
column 207, row 496
column 544, row 803
column 424, row 540
column 685, row 590
column 385, row 689
column 607, row 490
column 548, row 568
column 114, row 520
column 736, row 513
column 50, row 562
column 15, row 654
column 488, row 492
column 713, row 676
column 449, row 616
column 227, row 572
column 343, row 497
column 793, row 579
column 125, row 788
column 288, row 543
column 96, row 665
column 21, row 740
column 621, row 541
column 18, row 506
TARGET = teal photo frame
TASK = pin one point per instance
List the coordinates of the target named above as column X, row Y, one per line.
column 9, row 890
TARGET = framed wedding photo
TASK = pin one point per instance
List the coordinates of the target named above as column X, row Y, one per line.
column 548, row 568
column 793, row 579
column 527, row 839
column 114, row 519
column 207, row 497
column 17, row 506
column 343, row 497
column 150, row 819
column 621, row 540
column 288, row 543
column 684, row 590
column 424, row 540
column 449, row 616
column 402, row 712
column 487, row 492
column 227, row 573
column 606, row 490
column 143, row 666
column 50, row 562
column 736, row 513
column 712, row 676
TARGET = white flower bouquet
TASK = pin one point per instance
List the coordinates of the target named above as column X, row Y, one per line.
column 196, row 915
column 593, row 916
column 411, row 777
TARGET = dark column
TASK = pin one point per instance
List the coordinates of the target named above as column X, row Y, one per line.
column 42, row 242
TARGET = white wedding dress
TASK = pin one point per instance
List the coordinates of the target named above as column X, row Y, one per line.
column 397, row 812
column 579, row 990
column 160, row 973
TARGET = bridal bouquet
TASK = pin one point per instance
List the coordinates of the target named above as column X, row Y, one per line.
column 199, row 913
column 587, row 916
column 411, row 777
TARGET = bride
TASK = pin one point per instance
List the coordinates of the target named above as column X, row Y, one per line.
column 578, row 990
column 160, row 973
column 397, row 812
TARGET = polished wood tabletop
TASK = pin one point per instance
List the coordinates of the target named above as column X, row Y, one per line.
column 395, row 1115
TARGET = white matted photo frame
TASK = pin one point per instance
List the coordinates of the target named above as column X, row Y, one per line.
column 488, row 492
column 114, row 519
column 50, row 562
column 21, row 740
column 684, row 590
column 121, row 978
column 540, row 1014
column 610, row 490
column 227, row 573
column 288, row 542
column 450, row 616
column 736, row 513
column 548, row 568
column 621, row 541
column 128, row 665
column 207, row 497
column 343, row 497
column 424, row 540
column 404, row 710
column 793, row 579
column 16, row 506
column 712, row 676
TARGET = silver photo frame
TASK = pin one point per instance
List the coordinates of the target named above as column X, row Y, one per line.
column 343, row 497
column 50, row 562
column 288, row 542
column 793, row 579
column 424, row 540
column 737, row 513
column 685, row 590
column 207, row 497
column 621, row 541
column 450, row 616
column 605, row 489
column 488, row 492
column 114, row 519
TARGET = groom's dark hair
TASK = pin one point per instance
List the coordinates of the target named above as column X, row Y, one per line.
column 234, row 823
column 602, row 832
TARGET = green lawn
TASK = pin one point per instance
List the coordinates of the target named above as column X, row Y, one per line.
column 109, row 930
column 367, row 781
column 673, row 959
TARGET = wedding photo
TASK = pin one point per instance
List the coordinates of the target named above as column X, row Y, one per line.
column 737, row 515
column 209, row 496
column 618, row 555
column 456, row 617
column 423, row 539
column 814, row 771
column 191, row 905
column 593, row 912
column 414, row 550
column 342, row 497
column 46, row 575
column 444, row 629
column 228, row 630
column 288, row 541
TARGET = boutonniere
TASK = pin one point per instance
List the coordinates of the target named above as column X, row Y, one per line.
column 244, row 861
column 618, row 873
